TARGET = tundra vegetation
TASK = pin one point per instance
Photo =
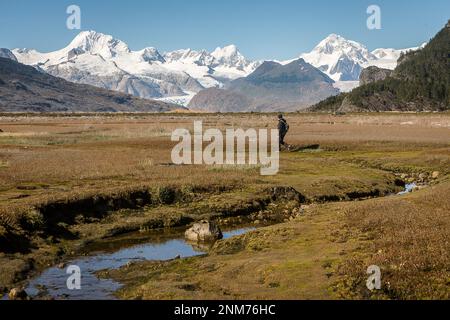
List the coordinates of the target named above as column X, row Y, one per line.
column 70, row 181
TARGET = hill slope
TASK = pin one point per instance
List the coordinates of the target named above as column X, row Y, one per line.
column 421, row 82
column 23, row 88
column 272, row 86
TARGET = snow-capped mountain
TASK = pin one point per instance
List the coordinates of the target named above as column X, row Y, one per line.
column 211, row 69
column 6, row 53
column 339, row 58
column 343, row 60
column 101, row 60
column 198, row 64
column 229, row 62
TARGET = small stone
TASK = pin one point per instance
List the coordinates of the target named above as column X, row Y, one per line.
column 61, row 265
column 409, row 180
column 17, row 294
column 435, row 174
column 256, row 222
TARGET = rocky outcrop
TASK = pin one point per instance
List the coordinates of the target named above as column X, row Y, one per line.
column 347, row 106
column 285, row 193
column 203, row 231
column 6, row 53
column 373, row 74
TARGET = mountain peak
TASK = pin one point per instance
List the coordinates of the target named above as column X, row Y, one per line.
column 339, row 58
column 334, row 36
column 227, row 51
column 152, row 54
column 336, row 43
column 229, row 56
column 98, row 43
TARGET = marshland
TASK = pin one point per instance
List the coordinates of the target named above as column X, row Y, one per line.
column 82, row 186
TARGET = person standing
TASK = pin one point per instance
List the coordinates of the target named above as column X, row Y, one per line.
column 283, row 128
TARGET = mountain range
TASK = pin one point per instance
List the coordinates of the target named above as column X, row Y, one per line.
column 100, row 60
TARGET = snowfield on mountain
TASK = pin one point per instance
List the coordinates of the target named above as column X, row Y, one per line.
column 100, row 60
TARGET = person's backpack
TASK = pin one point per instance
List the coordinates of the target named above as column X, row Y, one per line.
column 286, row 125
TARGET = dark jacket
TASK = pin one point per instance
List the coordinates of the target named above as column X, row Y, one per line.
column 283, row 127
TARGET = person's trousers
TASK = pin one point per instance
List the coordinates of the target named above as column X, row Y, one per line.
column 282, row 135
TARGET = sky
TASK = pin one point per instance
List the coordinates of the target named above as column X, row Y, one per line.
column 261, row 29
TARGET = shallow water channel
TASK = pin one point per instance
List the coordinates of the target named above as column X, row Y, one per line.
column 164, row 245
column 117, row 252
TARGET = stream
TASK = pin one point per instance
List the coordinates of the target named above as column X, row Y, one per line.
column 409, row 187
column 114, row 253
column 52, row 282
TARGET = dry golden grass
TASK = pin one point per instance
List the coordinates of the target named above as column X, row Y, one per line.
column 55, row 156
column 47, row 158
column 322, row 255
column 409, row 238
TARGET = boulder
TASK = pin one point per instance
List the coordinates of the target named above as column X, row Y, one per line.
column 203, row 231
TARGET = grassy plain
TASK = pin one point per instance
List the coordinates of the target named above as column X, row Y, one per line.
column 66, row 181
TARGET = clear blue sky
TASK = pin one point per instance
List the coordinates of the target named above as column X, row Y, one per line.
column 271, row 29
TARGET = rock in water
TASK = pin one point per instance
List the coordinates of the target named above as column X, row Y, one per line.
column 203, row 231
column 17, row 294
